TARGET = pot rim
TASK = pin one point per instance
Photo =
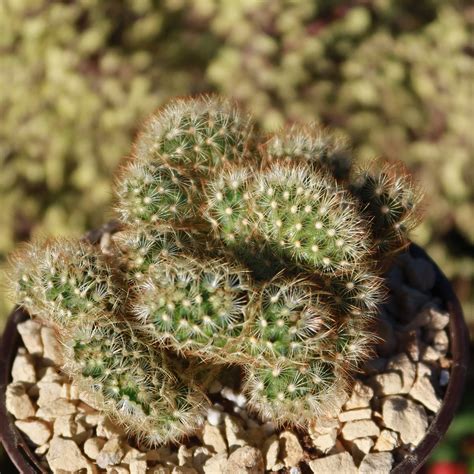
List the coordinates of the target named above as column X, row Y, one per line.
column 27, row 462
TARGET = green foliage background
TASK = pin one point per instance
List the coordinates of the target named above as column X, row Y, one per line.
column 78, row 77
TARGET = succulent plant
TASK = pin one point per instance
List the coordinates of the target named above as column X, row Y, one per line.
column 263, row 257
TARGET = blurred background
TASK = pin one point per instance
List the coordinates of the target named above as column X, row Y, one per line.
column 77, row 77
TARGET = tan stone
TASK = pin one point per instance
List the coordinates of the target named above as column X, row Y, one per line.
column 215, row 464
column 245, row 460
column 49, row 391
column 364, row 445
column 324, row 443
column 323, row 425
column 234, row 432
column 290, row 449
column 376, row 463
column 387, row 441
column 111, row 453
column 360, row 397
column 30, row 332
column 38, row 431
column 271, row 449
column 424, row 392
column 136, row 461
column 18, row 403
column 93, row 446
column 351, row 415
column 52, row 349
column 212, row 436
column 65, row 455
column 59, row 407
column 388, row 383
column 23, row 369
column 406, row 417
column 341, row 463
column 359, row 429
column 402, row 364
column 185, row 455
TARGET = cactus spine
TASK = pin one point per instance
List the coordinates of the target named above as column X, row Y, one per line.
column 264, row 257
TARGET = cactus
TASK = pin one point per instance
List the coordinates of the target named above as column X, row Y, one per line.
column 264, row 258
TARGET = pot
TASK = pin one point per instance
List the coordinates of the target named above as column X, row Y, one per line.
column 26, row 462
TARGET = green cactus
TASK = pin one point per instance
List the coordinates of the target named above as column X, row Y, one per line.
column 132, row 383
column 61, row 280
column 266, row 258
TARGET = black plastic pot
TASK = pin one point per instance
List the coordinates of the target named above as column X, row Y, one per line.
column 26, row 461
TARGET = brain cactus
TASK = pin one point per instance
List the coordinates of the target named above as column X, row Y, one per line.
column 265, row 256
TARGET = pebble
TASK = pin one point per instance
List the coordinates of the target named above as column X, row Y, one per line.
column 136, row 461
column 106, row 428
column 324, row 443
column 49, row 391
column 30, row 332
column 358, row 414
column 56, row 408
column 359, row 429
column 65, row 455
column 424, row 392
column 406, row 417
column 23, row 369
column 437, row 318
column 37, row 430
column 290, row 449
column 387, row 441
column 402, row 364
column 388, row 383
column 341, row 463
column 52, row 349
column 18, row 402
column 234, row 432
column 271, row 450
column 376, row 463
column 245, row 460
column 441, row 341
column 93, row 446
column 111, row 453
column 215, row 464
column 212, row 437
column 185, row 455
column 360, row 397
column 363, row 445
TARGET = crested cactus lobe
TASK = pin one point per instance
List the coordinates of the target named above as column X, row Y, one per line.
column 193, row 307
column 301, row 214
column 198, row 135
column 289, row 323
column 133, row 383
column 312, row 145
column 357, row 293
column 62, row 280
column 142, row 247
column 229, row 208
column 293, row 394
column 150, row 194
column 391, row 202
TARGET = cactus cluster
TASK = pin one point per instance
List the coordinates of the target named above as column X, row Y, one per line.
column 233, row 251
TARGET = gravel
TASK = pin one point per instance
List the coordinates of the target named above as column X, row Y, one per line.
column 382, row 419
